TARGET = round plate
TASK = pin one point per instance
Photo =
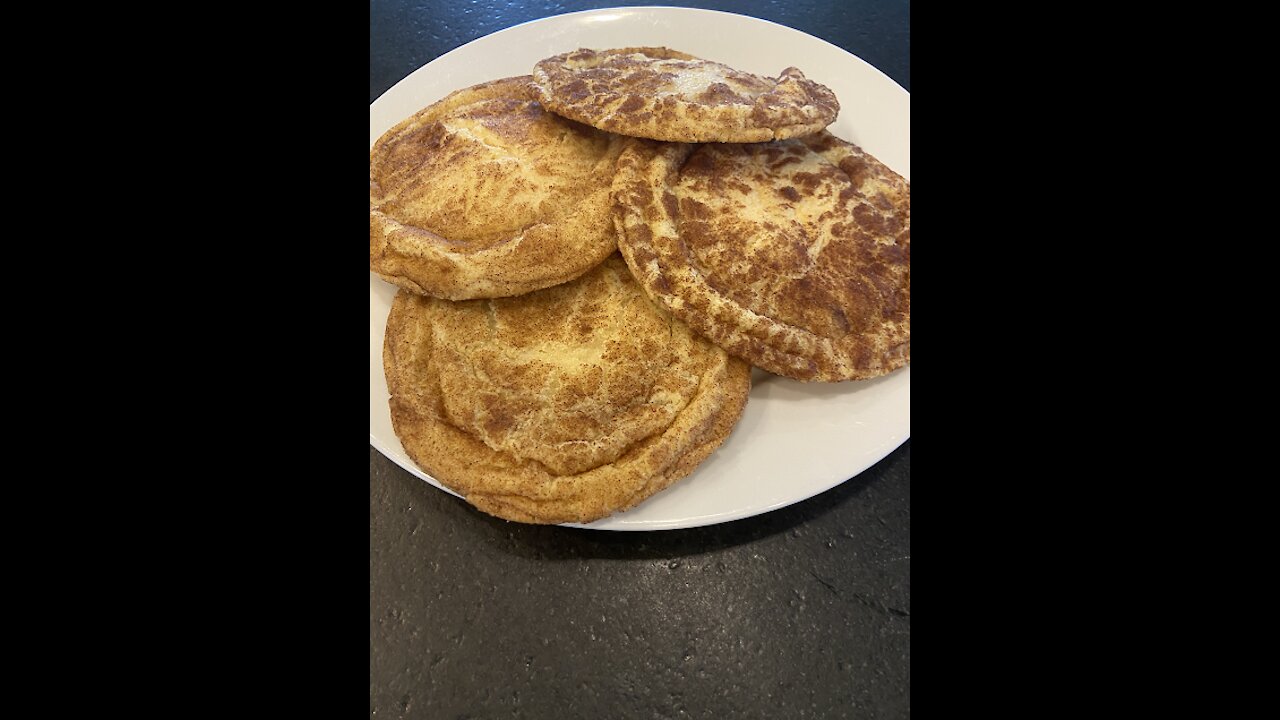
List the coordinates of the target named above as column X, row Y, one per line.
column 795, row 439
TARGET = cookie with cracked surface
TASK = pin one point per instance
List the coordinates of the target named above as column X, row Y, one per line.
column 563, row 405
column 794, row 255
column 663, row 94
column 486, row 194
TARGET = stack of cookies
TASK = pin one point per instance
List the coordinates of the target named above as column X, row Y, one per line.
column 592, row 257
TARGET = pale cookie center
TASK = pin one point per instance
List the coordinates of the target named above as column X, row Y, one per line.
column 483, row 186
column 694, row 79
column 558, row 394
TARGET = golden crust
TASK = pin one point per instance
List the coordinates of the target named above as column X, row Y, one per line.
column 662, row 94
column 485, row 194
column 563, row 405
column 794, row 256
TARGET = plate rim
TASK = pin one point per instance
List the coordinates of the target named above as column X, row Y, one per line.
column 631, row 9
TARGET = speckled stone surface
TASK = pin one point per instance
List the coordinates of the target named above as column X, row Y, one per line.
column 802, row 612
column 799, row 613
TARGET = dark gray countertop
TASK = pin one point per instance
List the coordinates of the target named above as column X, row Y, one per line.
column 801, row 612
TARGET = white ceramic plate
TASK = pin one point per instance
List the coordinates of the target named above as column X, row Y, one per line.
column 795, row 439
